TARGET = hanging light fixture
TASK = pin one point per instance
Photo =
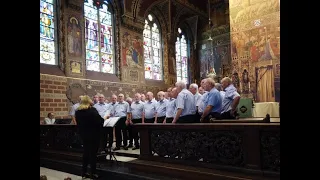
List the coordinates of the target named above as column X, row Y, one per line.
column 210, row 38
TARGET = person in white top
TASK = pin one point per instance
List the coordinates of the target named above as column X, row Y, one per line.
column 50, row 119
column 193, row 88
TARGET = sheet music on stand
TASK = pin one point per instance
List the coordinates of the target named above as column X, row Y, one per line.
column 111, row 122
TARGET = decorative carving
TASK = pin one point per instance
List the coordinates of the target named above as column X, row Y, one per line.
column 245, row 81
column 60, row 138
column 134, row 75
column 74, row 91
column 270, row 151
column 75, row 67
column 219, row 147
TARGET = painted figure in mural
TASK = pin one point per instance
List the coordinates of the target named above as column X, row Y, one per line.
column 74, row 37
column 245, row 81
column 137, row 50
column 125, row 45
column 234, row 51
column 270, row 47
column 235, row 80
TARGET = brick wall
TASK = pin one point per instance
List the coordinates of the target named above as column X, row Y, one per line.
column 53, row 96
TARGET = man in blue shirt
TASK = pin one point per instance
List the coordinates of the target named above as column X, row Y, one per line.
column 122, row 110
column 212, row 102
column 106, row 132
column 230, row 101
column 136, row 117
column 171, row 105
column 149, row 109
column 185, row 105
column 160, row 108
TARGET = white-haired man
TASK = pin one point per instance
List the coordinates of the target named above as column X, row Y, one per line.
column 149, row 109
column 171, row 105
column 212, row 102
column 193, row 88
column 122, row 110
column 136, row 117
column 230, row 101
column 203, row 97
column 160, row 108
column 185, row 105
column 104, row 110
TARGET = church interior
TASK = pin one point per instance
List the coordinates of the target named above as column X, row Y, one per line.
column 126, row 47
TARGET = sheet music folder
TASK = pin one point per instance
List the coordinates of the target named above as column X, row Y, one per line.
column 111, row 122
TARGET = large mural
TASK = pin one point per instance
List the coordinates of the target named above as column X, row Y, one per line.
column 255, row 47
column 131, row 49
column 132, row 59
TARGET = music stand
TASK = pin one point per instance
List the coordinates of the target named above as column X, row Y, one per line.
column 112, row 157
column 111, row 122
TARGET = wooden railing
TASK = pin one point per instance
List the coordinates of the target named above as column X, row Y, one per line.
column 245, row 147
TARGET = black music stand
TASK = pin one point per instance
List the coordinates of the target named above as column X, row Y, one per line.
column 112, row 157
column 111, row 123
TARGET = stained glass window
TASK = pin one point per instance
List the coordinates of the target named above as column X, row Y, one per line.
column 47, row 32
column 152, row 49
column 181, row 57
column 99, row 38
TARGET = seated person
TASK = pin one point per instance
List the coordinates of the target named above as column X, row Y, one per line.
column 50, row 119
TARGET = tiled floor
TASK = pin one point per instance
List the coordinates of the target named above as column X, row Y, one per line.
column 57, row 175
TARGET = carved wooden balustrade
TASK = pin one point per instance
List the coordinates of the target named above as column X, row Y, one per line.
column 243, row 147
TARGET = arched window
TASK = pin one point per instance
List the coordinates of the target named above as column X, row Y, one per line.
column 152, row 52
column 182, row 57
column 47, row 32
column 99, row 37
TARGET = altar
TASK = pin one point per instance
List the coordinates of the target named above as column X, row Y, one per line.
column 263, row 108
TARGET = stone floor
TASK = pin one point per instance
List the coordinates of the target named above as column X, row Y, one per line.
column 57, row 175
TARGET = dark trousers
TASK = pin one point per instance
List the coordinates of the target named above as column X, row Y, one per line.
column 214, row 115
column 160, row 119
column 90, row 149
column 227, row 115
column 151, row 120
column 135, row 133
column 187, row 119
column 106, row 136
column 121, row 132
column 197, row 117
column 169, row 120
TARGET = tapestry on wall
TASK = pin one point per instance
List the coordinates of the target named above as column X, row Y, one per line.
column 74, row 36
column 131, row 49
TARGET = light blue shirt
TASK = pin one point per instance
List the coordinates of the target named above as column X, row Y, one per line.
column 74, row 109
column 121, row 109
column 170, row 108
column 161, row 108
column 185, row 101
column 201, row 106
column 214, row 99
column 149, row 109
column 137, row 109
column 103, row 109
column 197, row 98
column 227, row 102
